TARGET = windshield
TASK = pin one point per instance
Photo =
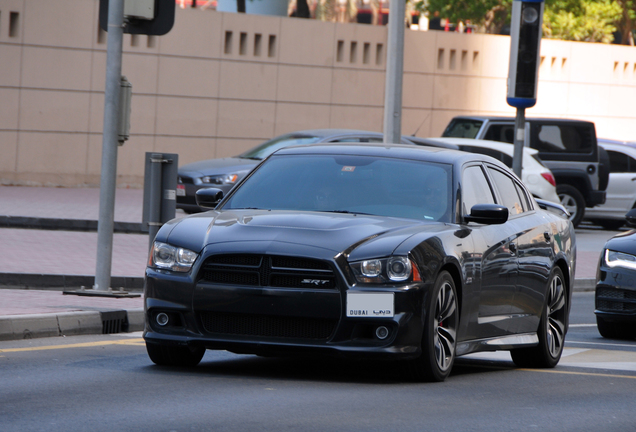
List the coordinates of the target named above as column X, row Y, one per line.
column 349, row 184
column 462, row 128
column 269, row 147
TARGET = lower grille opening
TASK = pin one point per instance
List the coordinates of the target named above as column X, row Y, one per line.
column 267, row 326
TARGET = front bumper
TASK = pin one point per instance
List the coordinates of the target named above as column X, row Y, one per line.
column 279, row 321
column 615, row 295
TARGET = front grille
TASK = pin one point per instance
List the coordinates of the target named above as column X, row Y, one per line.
column 267, row 270
column 186, row 180
column 615, row 300
column 267, row 326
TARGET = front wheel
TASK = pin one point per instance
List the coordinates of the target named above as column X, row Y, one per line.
column 552, row 328
column 167, row 355
column 439, row 334
column 573, row 201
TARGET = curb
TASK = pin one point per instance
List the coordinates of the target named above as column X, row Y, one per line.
column 85, row 225
column 584, row 285
column 18, row 327
column 56, row 281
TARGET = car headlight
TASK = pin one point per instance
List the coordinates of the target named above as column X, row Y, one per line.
column 165, row 256
column 619, row 259
column 223, row 179
column 386, row 270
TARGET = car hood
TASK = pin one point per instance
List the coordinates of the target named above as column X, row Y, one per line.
column 217, row 166
column 360, row 236
column 623, row 242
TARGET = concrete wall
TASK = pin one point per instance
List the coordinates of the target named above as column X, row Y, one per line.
column 220, row 83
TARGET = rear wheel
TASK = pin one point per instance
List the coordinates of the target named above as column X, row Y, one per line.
column 439, row 335
column 611, row 224
column 551, row 328
column 167, row 355
column 615, row 330
column 573, row 201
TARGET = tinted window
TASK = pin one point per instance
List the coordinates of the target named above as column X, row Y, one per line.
column 355, row 184
column 462, row 128
column 508, row 192
column 269, row 147
column 502, row 133
column 475, row 189
column 621, row 163
column 563, row 139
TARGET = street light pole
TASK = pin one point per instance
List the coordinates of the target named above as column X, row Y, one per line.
column 108, row 182
column 394, row 71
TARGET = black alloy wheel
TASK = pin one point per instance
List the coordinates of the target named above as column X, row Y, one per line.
column 573, row 201
column 552, row 328
column 439, row 337
column 168, row 355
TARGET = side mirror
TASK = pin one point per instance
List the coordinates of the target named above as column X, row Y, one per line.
column 208, row 198
column 553, row 207
column 489, row 214
column 630, row 217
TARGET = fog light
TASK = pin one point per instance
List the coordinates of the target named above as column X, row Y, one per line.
column 382, row 332
column 162, row 319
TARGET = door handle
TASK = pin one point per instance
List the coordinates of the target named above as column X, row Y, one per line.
column 546, row 236
column 513, row 248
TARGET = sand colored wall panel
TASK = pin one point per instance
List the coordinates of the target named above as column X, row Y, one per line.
column 9, row 146
column 422, row 54
column 186, row 116
column 293, row 116
column 246, row 119
column 195, row 33
column 46, row 110
column 6, row 7
column 350, row 41
column 258, row 81
column 180, row 76
column 11, row 59
column 50, row 23
column 492, row 96
column 304, row 84
column 418, row 122
column 228, row 147
column 242, row 47
column 39, row 152
column 9, row 108
column 453, row 92
column 143, row 118
column 141, row 71
column 298, row 45
column 60, row 69
column 189, row 149
column 358, row 87
column 349, row 117
column 417, row 90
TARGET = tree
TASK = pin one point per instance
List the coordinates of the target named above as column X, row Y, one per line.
column 627, row 23
column 581, row 20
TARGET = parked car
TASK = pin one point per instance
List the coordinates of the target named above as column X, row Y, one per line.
column 568, row 147
column 224, row 173
column 615, row 295
column 621, row 188
column 535, row 175
column 385, row 251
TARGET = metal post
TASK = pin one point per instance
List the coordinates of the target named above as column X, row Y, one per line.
column 154, row 217
column 108, row 183
column 394, row 70
column 517, row 158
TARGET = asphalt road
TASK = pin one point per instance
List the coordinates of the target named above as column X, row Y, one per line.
column 107, row 383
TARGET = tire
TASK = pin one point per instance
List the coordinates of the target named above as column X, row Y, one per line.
column 615, row 330
column 182, row 356
column 573, row 201
column 439, row 338
column 551, row 332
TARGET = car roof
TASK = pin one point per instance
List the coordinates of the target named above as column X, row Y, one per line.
column 609, row 144
column 401, row 151
column 331, row 132
column 530, row 119
column 503, row 147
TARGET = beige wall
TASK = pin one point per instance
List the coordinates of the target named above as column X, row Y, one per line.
column 202, row 93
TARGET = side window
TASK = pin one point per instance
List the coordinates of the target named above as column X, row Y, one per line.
column 526, row 202
column 475, row 189
column 562, row 138
column 502, row 133
column 500, row 156
column 620, row 162
column 508, row 192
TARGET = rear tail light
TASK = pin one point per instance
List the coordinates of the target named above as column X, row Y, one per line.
column 549, row 177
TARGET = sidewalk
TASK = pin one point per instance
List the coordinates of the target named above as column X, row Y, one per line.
column 37, row 265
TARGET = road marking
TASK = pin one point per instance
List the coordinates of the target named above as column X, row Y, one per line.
column 135, row 342
column 578, row 373
column 601, row 344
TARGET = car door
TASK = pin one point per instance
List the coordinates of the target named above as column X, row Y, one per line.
column 496, row 275
column 621, row 190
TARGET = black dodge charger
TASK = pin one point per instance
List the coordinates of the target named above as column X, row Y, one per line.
column 377, row 251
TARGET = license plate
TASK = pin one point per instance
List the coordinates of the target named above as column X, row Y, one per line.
column 370, row 305
column 181, row 190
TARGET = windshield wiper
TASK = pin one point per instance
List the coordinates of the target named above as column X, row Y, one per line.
column 346, row 212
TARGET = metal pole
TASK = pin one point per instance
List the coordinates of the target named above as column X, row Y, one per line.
column 394, row 70
column 517, row 159
column 108, row 183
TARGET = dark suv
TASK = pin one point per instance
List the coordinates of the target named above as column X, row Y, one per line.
column 567, row 147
